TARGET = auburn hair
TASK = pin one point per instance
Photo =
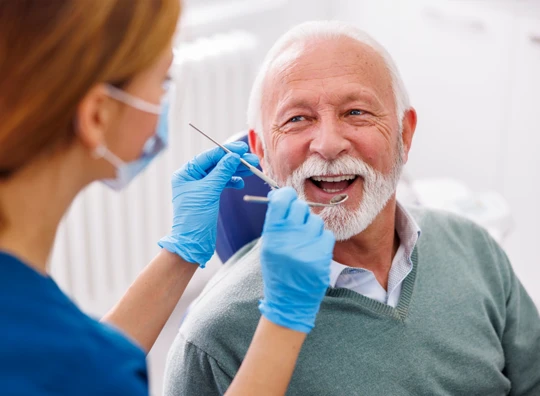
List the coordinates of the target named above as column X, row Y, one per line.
column 52, row 52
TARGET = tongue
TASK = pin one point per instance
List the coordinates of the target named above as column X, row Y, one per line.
column 342, row 185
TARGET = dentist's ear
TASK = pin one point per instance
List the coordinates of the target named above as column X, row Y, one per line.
column 94, row 114
column 409, row 126
column 256, row 145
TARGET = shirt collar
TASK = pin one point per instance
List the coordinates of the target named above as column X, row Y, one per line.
column 408, row 231
column 335, row 271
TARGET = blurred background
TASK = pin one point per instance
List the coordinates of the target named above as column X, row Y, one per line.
column 471, row 68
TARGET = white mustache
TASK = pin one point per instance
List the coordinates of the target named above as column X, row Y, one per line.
column 316, row 166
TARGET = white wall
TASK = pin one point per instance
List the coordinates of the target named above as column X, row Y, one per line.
column 521, row 166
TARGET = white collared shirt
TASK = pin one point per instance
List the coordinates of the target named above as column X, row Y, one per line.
column 364, row 282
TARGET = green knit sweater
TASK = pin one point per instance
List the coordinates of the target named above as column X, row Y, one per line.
column 464, row 325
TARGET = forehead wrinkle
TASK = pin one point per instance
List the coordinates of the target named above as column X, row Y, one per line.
column 336, row 98
column 288, row 76
column 362, row 94
column 293, row 74
column 326, row 86
column 289, row 101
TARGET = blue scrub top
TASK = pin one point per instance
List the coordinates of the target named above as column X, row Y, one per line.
column 49, row 347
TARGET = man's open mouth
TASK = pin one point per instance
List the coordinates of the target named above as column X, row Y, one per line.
column 333, row 184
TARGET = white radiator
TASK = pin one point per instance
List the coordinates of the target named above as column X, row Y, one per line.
column 107, row 237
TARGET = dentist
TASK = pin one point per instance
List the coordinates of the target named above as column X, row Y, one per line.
column 83, row 97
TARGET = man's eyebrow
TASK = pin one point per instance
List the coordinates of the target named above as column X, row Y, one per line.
column 297, row 103
column 361, row 96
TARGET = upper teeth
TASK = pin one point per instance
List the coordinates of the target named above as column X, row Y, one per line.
column 334, row 179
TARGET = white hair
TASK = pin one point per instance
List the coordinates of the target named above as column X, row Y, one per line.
column 322, row 30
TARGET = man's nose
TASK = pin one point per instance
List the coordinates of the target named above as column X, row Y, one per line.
column 330, row 141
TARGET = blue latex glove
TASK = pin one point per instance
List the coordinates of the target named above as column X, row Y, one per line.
column 296, row 252
column 196, row 189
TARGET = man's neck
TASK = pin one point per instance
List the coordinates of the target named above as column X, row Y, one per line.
column 375, row 247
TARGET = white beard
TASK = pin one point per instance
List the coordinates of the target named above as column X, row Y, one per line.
column 378, row 189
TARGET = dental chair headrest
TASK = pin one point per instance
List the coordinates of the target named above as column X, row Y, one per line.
column 240, row 222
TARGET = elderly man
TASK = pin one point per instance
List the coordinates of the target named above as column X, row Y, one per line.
column 419, row 303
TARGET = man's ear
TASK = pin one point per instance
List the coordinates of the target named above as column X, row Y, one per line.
column 255, row 144
column 409, row 126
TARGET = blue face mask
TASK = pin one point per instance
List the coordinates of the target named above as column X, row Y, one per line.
column 126, row 171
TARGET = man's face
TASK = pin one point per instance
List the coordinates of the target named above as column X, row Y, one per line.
column 330, row 127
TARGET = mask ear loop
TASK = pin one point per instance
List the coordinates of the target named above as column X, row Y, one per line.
column 133, row 101
column 102, row 151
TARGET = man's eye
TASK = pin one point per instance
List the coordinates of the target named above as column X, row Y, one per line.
column 356, row 112
column 297, row 119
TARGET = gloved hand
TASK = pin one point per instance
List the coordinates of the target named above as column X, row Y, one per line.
column 296, row 252
column 196, row 189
